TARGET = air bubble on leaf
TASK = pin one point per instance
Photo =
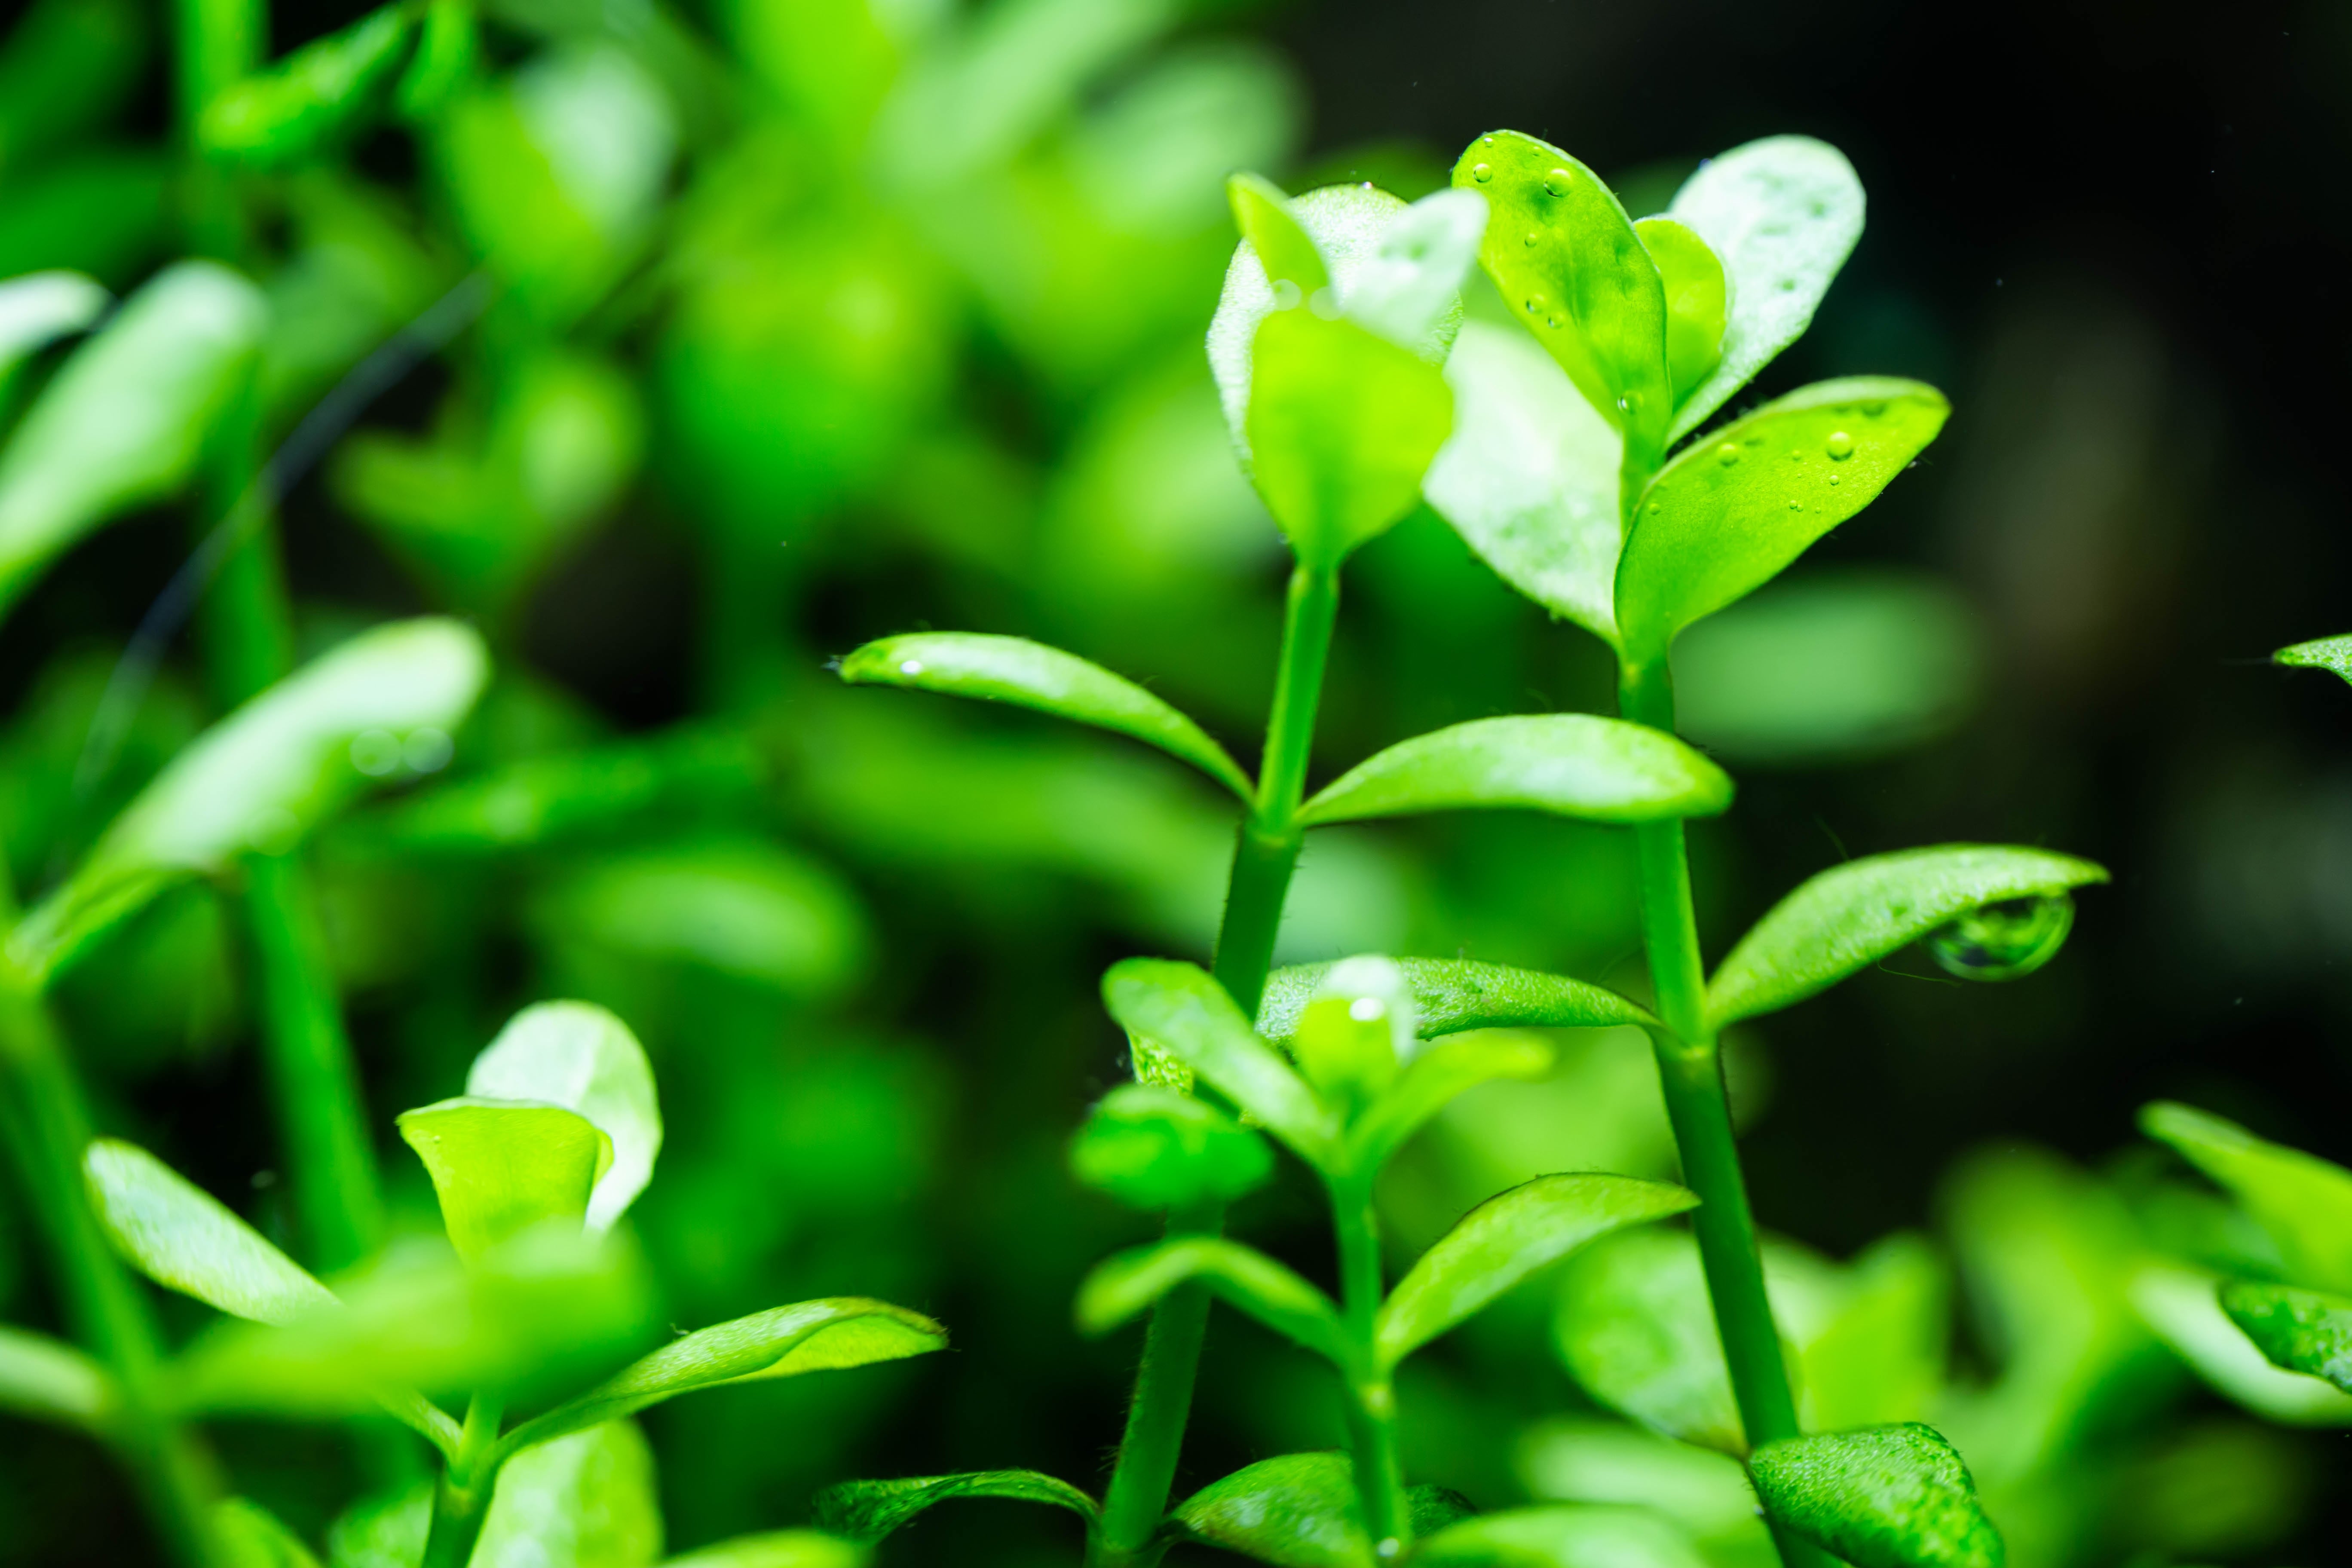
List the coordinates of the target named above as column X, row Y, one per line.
column 1482, row 173
column 1833, row 478
column 1840, row 445
column 1796, row 506
column 1558, row 182
column 376, row 752
column 1726, row 454
column 2006, row 941
column 428, row 750
column 1534, row 236
column 1286, row 294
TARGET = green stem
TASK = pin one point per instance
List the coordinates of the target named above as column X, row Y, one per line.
column 461, row 1501
column 1266, row 852
column 218, row 42
column 1371, row 1398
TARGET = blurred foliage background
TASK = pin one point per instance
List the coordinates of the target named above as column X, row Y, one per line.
column 764, row 327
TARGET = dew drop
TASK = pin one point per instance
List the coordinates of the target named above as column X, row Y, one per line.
column 1796, row 506
column 911, row 667
column 1482, row 173
column 1833, row 478
column 1286, row 294
column 1534, row 236
column 1840, row 445
column 1557, row 183
column 2005, row 941
column 1726, row 454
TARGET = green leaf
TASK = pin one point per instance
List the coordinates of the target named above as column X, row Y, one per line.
column 1562, row 1536
column 1124, row 1284
column 1342, row 425
column 1571, row 764
column 1730, row 513
column 1179, row 1009
column 2304, row 1202
column 178, row 1234
column 1850, row 916
column 1283, row 248
column 1409, row 291
column 1586, row 1458
column 1153, row 1147
column 1879, row 1354
column 583, row 1502
column 1782, row 214
column 1636, row 1329
column 1570, row 264
column 501, row 1167
column 1451, row 995
column 448, row 54
column 1529, row 477
column 261, row 778
column 2308, row 1332
column 40, row 308
column 1299, row 1511
column 777, row 1548
column 2328, row 653
column 1356, row 1032
column 387, row 1531
column 121, row 422
column 291, row 110
column 253, row 1537
column 1032, row 675
column 1887, row 1497
column 1696, row 300
column 1431, row 1080
column 48, row 1379
column 865, row 1511
column 1506, row 1239
column 580, row 1057
column 782, row 1341
column 2180, row 1306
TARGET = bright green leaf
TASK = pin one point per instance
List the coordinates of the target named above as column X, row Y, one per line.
column 1571, row 1536
column 1504, row 1240
column 1299, row 1511
column 865, row 1511
column 1452, row 996
column 2304, row 1202
column 1879, row 1356
column 387, row 1531
column 48, row 1379
column 181, row 1235
column 1032, row 675
column 1585, row 1459
column 1180, row 1010
column 1571, row 764
column 1636, row 1329
column 40, row 308
column 122, row 422
column 2303, row 1330
column 1153, row 1147
column 580, row 1057
column 2328, row 653
column 777, row 1548
column 253, row 1537
column 501, row 1167
column 1885, row 1497
column 1850, row 916
column 583, row 1502
column 1356, row 1032
column 1730, row 513
column 1283, row 248
column 1694, row 301
column 1123, row 1285
column 1782, row 215
column 1432, row 1081
column 2180, row 1306
column 448, row 54
column 783, row 1341
column 293, row 108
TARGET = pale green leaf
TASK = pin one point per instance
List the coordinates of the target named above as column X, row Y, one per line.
column 1284, row 249
column 253, row 1537
column 1850, row 916
column 1570, row 765
column 2308, row 1332
column 1126, row 1283
column 783, row 1341
column 181, row 1235
column 1299, row 1511
column 2334, row 654
column 580, row 1057
column 39, row 307
column 291, row 109
column 1885, row 1497
column 1032, row 675
column 1432, row 1081
column 2304, row 1202
column 1562, row 1536
column 1636, row 1329
column 501, row 1167
column 1357, row 1033
column 583, row 1502
column 1879, row 1355
column 1584, row 1459
column 1504, row 1240
column 1782, row 214
column 1696, row 300
column 1154, row 1147
column 1452, row 996
column 1183, row 1011
column 777, row 1548
column 122, row 422
column 1410, row 292
column 48, row 1379
column 867, row 1510
column 2180, row 1306
column 387, row 1530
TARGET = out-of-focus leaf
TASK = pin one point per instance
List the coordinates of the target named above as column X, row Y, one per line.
column 580, row 1057
column 253, row 1537
column 1568, row 1536
column 1126, row 1283
column 1356, row 1033
column 181, row 1235
column 501, row 1167
column 2301, row 1331
column 66, row 67
column 2334, row 654
column 40, row 308
column 289, row 112
column 583, row 1502
column 1782, row 214
column 1433, row 1079
column 1694, row 281
column 1179, row 1008
column 1850, row 917
column 1887, row 1497
column 48, row 1379
column 1299, row 1511
column 782, row 1341
column 2181, row 1309
column 383, row 1531
column 1727, row 515
column 261, row 777
column 1529, row 477
column 1285, row 252
column 1583, row 1459
column 777, row 1548
column 865, row 1511
column 1451, row 995
column 1032, row 675
column 1880, row 1356
column 121, row 422
column 448, row 53
column 1504, row 1240
column 1571, row 764
column 1409, row 291
column 1636, row 1329
column 105, row 211
column 2303, row 1201
column 1158, row 1148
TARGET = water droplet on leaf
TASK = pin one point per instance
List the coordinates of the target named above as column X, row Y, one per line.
column 1557, row 183
column 1841, row 445
column 1833, row 478
column 1482, row 173
column 1726, row 454
column 1534, row 236
column 2006, row 941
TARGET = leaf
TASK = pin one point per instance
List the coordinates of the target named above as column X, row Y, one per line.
column 1179, row 1008
column 1696, row 300
column 1032, row 675
column 1592, row 1460
column 178, row 1234
column 1284, row 249
column 865, row 1511
column 261, row 778
column 777, row 1548
column 121, row 422
column 2328, row 653
column 580, row 1057
column 40, row 308
column 1357, row 1033
column 387, row 1531
column 448, row 54
column 1570, row 1536
column 252, row 1537
column 1885, row 1497
column 2308, row 1332
column 1636, row 1329
column 1850, row 916
column 782, row 1341
column 2180, row 1306
column 1879, row 1355
column 1571, row 764
column 292, row 108
column 1409, row 291
column 48, row 1379
column 1730, row 513
column 1782, row 214
column 1529, row 475
column 1430, row 1083
column 583, row 1502
column 1299, row 1511
column 1342, row 425
column 1451, row 995
column 1126, row 1283
column 2304, row 1202
column 1158, row 1148
column 1570, row 264
column 501, row 1167
column 1506, row 1239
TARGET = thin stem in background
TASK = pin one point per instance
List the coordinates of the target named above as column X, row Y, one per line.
column 1371, row 1398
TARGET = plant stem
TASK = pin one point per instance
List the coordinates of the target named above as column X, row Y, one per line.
column 1690, row 1070
column 461, row 1501
column 1266, row 852
column 1371, row 1398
